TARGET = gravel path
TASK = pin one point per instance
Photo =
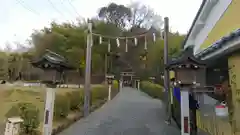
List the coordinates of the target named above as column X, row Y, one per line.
column 130, row 113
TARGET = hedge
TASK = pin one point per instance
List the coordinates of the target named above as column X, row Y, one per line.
column 99, row 95
column 153, row 90
column 115, row 88
column 61, row 106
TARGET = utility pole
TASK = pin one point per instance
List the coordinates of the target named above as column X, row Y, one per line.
column 87, row 85
column 166, row 72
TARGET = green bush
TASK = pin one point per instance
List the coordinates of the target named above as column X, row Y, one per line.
column 29, row 113
column 153, row 90
column 115, row 88
column 115, row 84
column 76, row 99
column 101, row 92
column 61, row 106
column 98, row 93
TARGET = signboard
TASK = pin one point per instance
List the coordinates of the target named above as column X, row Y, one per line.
column 110, row 76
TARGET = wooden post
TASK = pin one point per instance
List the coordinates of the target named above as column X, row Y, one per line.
column 166, row 72
column 106, row 64
column 87, row 85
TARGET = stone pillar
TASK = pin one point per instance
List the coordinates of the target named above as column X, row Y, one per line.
column 234, row 81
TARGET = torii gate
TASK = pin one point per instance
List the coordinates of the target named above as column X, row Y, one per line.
column 127, row 74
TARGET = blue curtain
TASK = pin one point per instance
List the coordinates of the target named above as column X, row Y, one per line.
column 193, row 104
column 176, row 93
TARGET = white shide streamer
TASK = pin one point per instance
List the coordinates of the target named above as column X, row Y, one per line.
column 100, row 40
column 109, row 46
column 154, row 37
column 118, row 43
column 126, row 45
column 135, row 41
column 145, row 43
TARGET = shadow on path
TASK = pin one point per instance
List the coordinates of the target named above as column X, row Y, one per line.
column 131, row 112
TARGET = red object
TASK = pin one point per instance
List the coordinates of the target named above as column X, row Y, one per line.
column 185, row 125
column 218, row 87
column 220, row 106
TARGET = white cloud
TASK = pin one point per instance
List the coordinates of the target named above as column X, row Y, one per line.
column 19, row 19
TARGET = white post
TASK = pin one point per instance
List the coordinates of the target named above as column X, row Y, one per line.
column 109, row 91
column 121, row 84
column 185, row 119
column 138, row 85
column 48, row 113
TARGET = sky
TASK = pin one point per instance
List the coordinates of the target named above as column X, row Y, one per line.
column 18, row 18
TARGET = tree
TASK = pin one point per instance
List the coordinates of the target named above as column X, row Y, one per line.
column 3, row 66
column 113, row 20
column 143, row 16
column 115, row 14
column 155, row 62
column 66, row 39
column 14, row 65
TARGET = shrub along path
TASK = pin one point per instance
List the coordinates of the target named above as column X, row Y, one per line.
column 131, row 112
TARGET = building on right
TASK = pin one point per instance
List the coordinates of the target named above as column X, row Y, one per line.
column 215, row 35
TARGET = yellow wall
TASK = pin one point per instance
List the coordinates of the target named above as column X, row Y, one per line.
column 213, row 125
column 229, row 22
column 234, row 77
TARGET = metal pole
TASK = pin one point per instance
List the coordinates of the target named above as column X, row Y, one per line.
column 166, row 72
column 87, row 87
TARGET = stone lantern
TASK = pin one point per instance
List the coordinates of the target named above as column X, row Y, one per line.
column 13, row 126
column 189, row 74
column 53, row 66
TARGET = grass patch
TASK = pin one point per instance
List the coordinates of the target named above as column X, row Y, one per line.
column 36, row 95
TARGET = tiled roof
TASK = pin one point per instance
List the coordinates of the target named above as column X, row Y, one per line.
column 186, row 57
column 53, row 58
column 220, row 43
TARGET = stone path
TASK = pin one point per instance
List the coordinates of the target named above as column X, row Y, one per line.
column 131, row 112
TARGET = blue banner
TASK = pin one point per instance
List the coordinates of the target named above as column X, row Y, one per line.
column 193, row 104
